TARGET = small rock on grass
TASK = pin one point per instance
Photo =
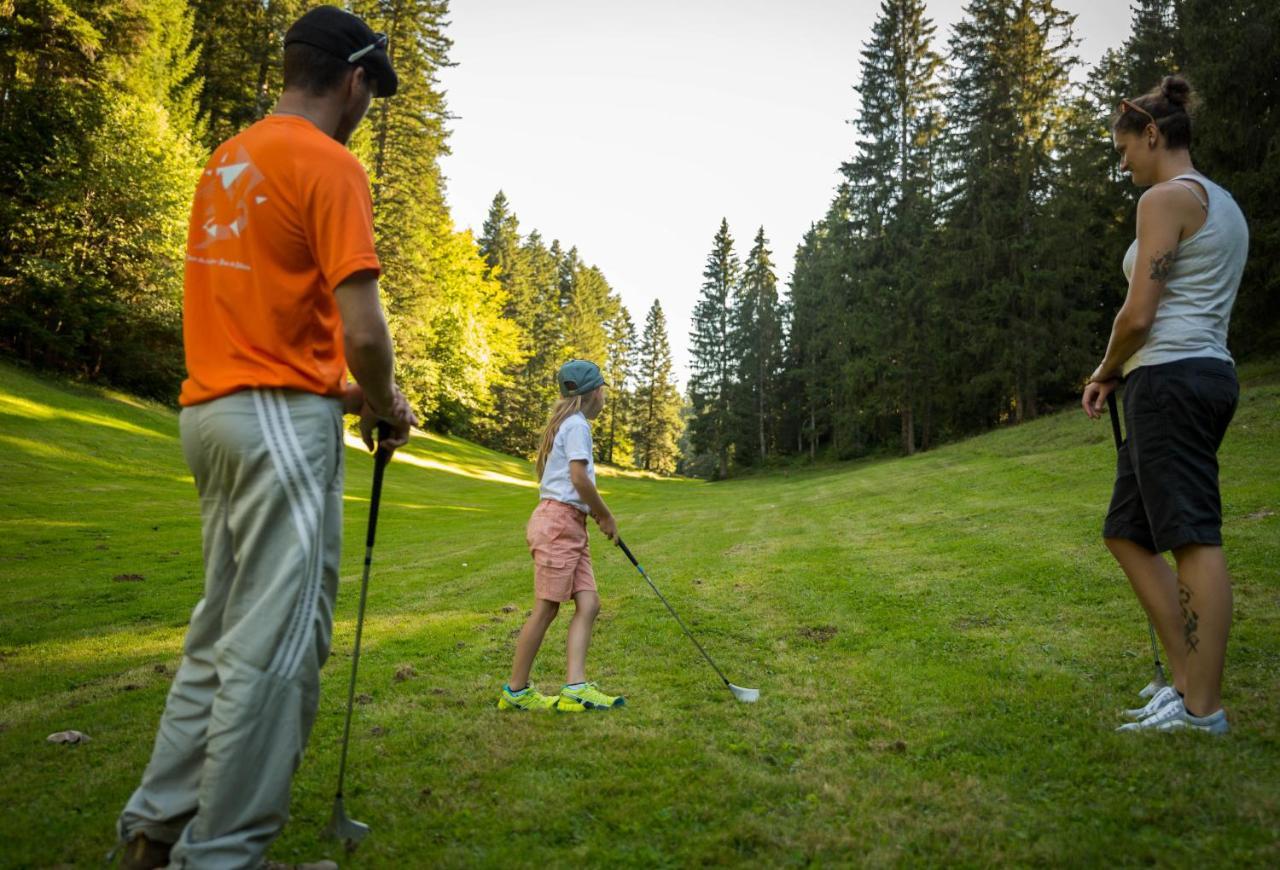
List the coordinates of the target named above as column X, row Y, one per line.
column 68, row 737
column 509, row 608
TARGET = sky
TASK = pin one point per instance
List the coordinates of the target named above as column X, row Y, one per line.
column 629, row 129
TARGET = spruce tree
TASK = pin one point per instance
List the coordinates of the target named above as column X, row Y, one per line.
column 756, row 345
column 891, row 187
column 615, row 423
column 454, row 346
column 712, row 361
column 1233, row 64
column 241, row 49
column 1011, row 61
column 657, row 406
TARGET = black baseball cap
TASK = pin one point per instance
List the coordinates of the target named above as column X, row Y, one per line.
column 343, row 35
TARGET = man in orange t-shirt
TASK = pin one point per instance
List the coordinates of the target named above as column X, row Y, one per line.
column 280, row 300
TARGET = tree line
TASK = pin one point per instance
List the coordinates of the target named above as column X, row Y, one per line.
column 963, row 276
column 108, row 109
column 966, row 271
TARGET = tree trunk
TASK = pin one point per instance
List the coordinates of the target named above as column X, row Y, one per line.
column 813, row 432
column 926, row 425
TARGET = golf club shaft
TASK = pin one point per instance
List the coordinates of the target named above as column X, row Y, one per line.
column 1119, row 439
column 663, row 598
column 1115, row 419
column 1155, row 650
column 381, row 457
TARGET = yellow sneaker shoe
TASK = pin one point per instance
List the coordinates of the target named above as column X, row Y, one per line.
column 527, row 699
column 586, row 696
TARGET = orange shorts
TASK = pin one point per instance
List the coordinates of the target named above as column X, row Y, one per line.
column 557, row 536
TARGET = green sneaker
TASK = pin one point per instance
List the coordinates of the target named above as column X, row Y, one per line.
column 586, row 696
column 527, row 699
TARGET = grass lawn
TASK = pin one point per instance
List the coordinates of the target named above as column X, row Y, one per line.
column 941, row 642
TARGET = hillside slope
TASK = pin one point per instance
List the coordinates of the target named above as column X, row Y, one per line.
column 941, row 644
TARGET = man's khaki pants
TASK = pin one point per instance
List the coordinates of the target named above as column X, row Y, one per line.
column 268, row 467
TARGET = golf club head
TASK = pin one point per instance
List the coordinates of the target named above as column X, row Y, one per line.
column 342, row 828
column 1154, row 686
column 746, row 696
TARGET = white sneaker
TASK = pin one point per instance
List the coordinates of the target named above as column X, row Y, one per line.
column 1212, row 724
column 1164, row 696
column 1171, row 711
column 1152, row 687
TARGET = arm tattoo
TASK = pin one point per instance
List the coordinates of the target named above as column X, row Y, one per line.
column 1161, row 266
column 1191, row 619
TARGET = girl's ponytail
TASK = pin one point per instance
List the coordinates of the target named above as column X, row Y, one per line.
column 563, row 409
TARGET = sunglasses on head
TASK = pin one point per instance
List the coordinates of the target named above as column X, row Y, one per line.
column 379, row 41
column 1125, row 106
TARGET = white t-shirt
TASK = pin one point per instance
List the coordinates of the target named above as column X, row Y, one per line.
column 573, row 441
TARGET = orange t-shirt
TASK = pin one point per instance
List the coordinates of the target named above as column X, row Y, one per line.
column 281, row 217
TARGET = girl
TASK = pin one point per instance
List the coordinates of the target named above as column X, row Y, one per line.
column 557, row 536
column 1169, row 345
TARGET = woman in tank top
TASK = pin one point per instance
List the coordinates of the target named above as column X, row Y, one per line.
column 1169, row 347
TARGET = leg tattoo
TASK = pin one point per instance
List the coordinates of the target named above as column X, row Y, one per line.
column 1190, row 619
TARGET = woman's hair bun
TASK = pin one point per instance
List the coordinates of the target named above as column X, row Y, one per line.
column 1176, row 90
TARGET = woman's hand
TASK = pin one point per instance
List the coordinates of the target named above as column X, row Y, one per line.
column 1095, row 396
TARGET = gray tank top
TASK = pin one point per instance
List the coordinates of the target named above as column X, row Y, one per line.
column 1195, row 309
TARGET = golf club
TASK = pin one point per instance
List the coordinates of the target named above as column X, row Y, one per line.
column 1158, row 682
column 341, row 826
column 747, row 696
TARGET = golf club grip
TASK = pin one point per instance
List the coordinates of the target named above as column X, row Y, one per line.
column 627, row 550
column 380, row 459
column 1115, row 419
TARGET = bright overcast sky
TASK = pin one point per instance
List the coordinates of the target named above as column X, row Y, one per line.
column 630, row 128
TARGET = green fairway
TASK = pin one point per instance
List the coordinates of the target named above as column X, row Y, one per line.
column 942, row 646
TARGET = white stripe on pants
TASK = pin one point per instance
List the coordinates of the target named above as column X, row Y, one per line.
column 268, row 467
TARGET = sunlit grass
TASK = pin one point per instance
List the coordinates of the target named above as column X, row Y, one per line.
column 941, row 643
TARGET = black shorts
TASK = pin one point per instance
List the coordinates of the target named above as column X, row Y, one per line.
column 1166, row 493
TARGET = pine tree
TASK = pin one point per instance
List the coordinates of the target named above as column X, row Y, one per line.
column 1153, row 49
column 756, row 345
column 454, row 346
column 657, row 408
column 587, row 308
column 511, row 425
column 713, row 365
column 1011, row 62
column 241, row 51
column 1234, row 66
column 891, row 184
column 615, row 442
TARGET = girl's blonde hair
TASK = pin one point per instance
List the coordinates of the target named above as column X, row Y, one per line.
column 563, row 409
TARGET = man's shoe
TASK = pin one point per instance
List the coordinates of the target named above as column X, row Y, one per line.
column 1170, row 712
column 1164, row 696
column 144, row 853
column 586, row 696
column 528, row 699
